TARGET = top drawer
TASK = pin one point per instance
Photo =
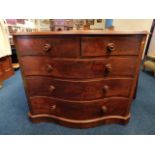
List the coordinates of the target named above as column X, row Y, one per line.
column 55, row 46
column 110, row 45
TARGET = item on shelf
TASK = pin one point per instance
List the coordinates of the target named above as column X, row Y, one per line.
column 99, row 24
column 80, row 79
column 61, row 24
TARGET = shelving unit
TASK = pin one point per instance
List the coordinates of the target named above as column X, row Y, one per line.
column 27, row 26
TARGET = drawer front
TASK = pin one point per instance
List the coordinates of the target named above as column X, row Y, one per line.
column 46, row 45
column 79, row 68
column 1, row 72
column 78, row 90
column 6, row 69
column 80, row 110
column 110, row 45
column 6, row 63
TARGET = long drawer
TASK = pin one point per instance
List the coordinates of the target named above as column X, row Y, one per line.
column 79, row 68
column 80, row 110
column 78, row 90
column 57, row 46
column 110, row 45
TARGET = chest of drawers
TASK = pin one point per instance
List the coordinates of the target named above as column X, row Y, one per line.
column 80, row 79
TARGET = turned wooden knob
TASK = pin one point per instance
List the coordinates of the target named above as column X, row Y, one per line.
column 52, row 107
column 105, row 88
column 108, row 68
column 110, row 47
column 52, row 88
column 49, row 68
column 104, row 109
column 47, row 47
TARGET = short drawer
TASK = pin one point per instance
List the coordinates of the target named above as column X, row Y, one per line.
column 80, row 110
column 78, row 90
column 48, row 45
column 110, row 45
column 79, row 68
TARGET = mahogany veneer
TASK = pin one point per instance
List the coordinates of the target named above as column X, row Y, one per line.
column 80, row 79
column 6, row 69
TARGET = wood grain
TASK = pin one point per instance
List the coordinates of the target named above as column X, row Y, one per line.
column 58, row 46
column 122, row 45
column 78, row 90
column 80, row 109
column 80, row 78
column 79, row 68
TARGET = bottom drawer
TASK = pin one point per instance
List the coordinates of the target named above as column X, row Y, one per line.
column 80, row 109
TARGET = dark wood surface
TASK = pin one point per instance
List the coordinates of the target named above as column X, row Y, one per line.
column 49, row 46
column 79, row 68
column 107, row 45
column 80, row 109
column 78, row 90
column 80, row 79
column 6, row 69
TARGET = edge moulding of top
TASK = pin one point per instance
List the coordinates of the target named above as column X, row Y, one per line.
column 83, row 32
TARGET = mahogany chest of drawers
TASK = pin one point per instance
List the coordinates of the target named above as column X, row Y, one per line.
column 80, row 79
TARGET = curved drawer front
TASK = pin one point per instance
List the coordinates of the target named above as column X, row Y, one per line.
column 110, row 45
column 79, row 68
column 79, row 110
column 46, row 45
column 78, row 90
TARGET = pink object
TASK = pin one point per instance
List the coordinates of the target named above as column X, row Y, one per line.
column 11, row 21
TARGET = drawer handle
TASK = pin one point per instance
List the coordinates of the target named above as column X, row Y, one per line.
column 47, row 47
column 104, row 109
column 49, row 68
column 106, row 88
column 52, row 88
column 53, row 107
column 111, row 47
column 108, row 68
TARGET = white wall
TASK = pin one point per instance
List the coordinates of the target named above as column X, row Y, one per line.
column 151, row 49
column 132, row 24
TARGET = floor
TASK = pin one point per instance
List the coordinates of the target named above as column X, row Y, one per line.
column 14, row 120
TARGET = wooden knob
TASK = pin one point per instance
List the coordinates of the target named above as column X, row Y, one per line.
column 47, row 47
column 53, row 107
column 52, row 88
column 108, row 68
column 110, row 47
column 104, row 109
column 106, row 88
column 49, row 68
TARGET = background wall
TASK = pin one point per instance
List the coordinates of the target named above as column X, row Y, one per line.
column 132, row 24
column 151, row 49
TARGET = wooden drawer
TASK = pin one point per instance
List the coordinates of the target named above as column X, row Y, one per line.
column 47, row 45
column 78, row 90
column 79, row 68
column 110, row 45
column 79, row 110
column 1, row 72
column 6, row 69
